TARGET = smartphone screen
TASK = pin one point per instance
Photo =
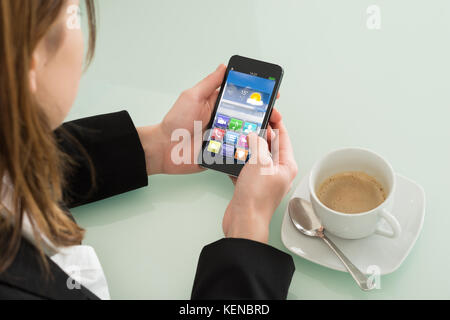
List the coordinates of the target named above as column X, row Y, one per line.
column 243, row 106
column 242, row 109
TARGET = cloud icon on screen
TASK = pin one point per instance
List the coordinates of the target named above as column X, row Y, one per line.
column 255, row 99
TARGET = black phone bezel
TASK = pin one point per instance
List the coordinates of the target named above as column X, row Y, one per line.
column 249, row 66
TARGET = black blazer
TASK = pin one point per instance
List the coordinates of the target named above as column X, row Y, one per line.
column 227, row 269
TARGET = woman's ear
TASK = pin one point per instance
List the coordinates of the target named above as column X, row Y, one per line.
column 33, row 72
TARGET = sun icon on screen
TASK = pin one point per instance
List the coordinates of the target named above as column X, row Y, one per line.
column 255, row 99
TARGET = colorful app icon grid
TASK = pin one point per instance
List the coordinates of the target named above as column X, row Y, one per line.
column 226, row 139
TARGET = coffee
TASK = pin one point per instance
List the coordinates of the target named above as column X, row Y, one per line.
column 351, row 192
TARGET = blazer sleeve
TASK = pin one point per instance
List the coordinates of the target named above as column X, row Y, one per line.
column 107, row 148
column 242, row 269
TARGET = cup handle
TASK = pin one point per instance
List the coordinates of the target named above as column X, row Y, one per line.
column 393, row 222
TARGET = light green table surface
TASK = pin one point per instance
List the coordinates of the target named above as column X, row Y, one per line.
column 345, row 85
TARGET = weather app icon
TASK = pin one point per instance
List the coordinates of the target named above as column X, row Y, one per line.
column 255, row 99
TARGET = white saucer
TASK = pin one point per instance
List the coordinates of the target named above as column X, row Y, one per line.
column 375, row 250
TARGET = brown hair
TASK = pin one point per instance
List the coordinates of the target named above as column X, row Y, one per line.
column 29, row 155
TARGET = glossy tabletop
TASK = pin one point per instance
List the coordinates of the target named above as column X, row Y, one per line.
column 345, row 84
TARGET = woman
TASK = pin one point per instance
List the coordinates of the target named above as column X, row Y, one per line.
column 47, row 168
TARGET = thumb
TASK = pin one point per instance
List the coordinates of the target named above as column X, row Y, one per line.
column 253, row 142
column 259, row 148
column 209, row 85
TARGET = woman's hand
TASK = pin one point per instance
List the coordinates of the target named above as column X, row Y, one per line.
column 195, row 104
column 261, row 186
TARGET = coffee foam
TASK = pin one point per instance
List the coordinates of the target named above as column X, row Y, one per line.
column 351, row 192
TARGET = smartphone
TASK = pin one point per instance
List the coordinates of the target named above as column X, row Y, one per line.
column 244, row 105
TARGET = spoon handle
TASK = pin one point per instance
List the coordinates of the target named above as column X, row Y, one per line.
column 360, row 278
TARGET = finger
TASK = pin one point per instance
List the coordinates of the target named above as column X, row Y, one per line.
column 283, row 151
column 269, row 133
column 207, row 86
column 278, row 96
column 270, row 136
column 252, row 140
column 276, row 116
column 212, row 100
column 259, row 149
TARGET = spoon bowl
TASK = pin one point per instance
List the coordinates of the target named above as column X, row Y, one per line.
column 300, row 213
column 306, row 221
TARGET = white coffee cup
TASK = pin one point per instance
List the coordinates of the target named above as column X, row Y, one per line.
column 359, row 225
